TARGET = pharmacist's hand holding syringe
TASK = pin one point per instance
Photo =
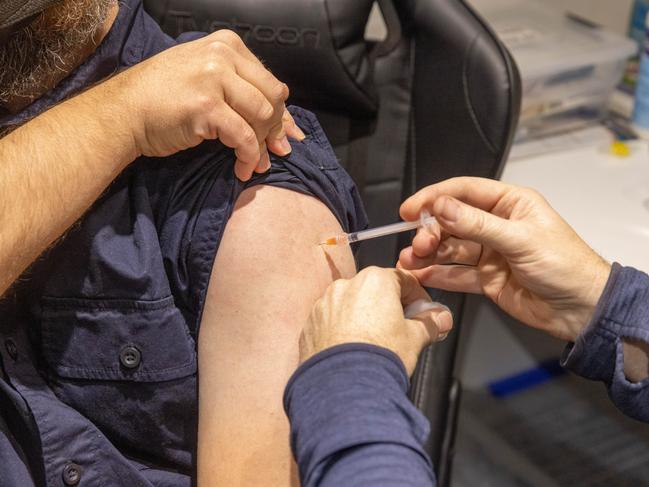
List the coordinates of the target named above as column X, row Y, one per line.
column 508, row 243
column 505, row 242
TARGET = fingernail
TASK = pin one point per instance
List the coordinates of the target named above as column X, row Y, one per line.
column 285, row 145
column 416, row 307
column 442, row 337
column 422, row 305
column 265, row 161
column 238, row 172
column 301, row 135
column 451, row 210
column 445, row 322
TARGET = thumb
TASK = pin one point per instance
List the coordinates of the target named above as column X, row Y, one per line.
column 470, row 223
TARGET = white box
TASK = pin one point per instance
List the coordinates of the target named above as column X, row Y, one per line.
column 567, row 67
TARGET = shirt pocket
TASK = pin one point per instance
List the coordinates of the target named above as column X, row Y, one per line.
column 124, row 340
column 129, row 367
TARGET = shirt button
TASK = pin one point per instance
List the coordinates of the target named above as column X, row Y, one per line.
column 72, row 474
column 130, row 357
column 11, row 348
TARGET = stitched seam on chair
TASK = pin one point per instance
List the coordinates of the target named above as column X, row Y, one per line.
column 465, row 88
column 423, row 379
column 340, row 61
column 410, row 148
column 511, row 77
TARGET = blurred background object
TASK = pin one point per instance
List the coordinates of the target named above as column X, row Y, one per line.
column 612, row 15
column 569, row 65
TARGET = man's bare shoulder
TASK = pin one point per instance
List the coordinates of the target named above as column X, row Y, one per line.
column 269, row 271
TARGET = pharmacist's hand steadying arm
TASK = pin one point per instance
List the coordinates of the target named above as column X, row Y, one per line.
column 508, row 243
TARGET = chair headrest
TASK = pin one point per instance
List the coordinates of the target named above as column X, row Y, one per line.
column 316, row 46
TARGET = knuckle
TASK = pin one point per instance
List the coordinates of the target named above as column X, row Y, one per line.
column 202, row 131
column 480, row 223
column 445, row 250
column 203, row 104
column 530, row 198
column 529, row 192
column 286, row 91
column 371, row 270
column 205, row 128
column 276, row 130
column 265, row 111
column 337, row 285
column 219, row 49
column 246, row 161
column 336, row 290
column 279, row 93
column 213, row 68
column 248, row 136
column 373, row 274
column 229, row 36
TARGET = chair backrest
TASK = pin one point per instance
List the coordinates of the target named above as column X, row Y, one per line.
column 438, row 98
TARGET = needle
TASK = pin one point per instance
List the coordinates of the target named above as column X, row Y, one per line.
column 346, row 238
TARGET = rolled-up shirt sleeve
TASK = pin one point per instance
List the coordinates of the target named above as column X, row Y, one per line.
column 597, row 354
column 352, row 422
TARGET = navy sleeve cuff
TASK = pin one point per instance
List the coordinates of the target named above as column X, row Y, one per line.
column 349, row 397
column 592, row 353
column 597, row 354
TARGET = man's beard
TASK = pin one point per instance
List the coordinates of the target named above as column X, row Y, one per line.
column 46, row 50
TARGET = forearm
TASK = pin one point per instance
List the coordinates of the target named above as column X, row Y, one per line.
column 352, row 423
column 54, row 167
column 613, row 347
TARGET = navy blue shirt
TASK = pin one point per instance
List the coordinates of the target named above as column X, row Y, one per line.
column 98, row 338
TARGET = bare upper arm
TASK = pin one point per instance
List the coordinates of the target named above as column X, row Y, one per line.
column 269, row 271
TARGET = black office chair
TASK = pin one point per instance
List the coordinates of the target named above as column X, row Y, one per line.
column 438, row 98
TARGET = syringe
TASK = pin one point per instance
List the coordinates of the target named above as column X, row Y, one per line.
column 346, row 238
